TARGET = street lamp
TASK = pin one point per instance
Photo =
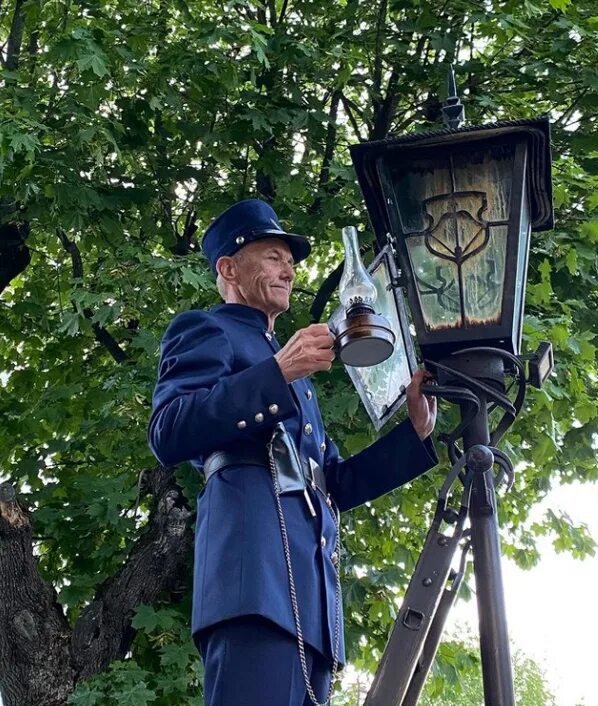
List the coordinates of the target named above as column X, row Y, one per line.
column 457, row 207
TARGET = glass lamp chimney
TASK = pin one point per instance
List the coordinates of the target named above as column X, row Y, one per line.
column 357, row 291
column 363, row 337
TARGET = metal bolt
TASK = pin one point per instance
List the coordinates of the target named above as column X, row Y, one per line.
column 480, row 459
column 427, row 582
column 443, row 541
column 450, row 516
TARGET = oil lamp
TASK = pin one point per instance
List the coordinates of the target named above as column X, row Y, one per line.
column 364, row 338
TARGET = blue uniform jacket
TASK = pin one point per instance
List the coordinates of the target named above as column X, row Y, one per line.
column 219, row 387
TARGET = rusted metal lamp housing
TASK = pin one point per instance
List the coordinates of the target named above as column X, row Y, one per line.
column 363, row 338
column 458, row 204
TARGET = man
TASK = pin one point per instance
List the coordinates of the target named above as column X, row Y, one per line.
column 267, row 614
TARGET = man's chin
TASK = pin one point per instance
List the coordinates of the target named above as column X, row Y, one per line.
column 282, row 299
column 282, row 307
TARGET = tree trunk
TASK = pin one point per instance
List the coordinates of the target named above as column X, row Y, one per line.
column 41, row 657
column 35, row 656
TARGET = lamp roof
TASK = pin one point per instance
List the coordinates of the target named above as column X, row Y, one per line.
column 535, row 130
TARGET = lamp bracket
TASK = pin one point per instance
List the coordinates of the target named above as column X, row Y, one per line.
column 540, row 364
column 397, row 279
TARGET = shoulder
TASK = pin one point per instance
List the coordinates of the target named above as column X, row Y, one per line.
column 188, row 320
column 193, row 325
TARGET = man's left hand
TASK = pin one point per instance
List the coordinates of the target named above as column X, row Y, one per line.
column 421, row 408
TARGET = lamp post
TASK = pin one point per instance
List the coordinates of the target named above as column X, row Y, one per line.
column 458, row 206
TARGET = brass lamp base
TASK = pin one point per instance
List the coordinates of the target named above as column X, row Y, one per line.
column 364, row 339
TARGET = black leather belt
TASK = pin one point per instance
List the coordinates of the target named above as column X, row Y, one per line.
column 223, row 459
column 219, row 460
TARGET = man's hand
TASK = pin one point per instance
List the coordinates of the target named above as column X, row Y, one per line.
column 308, row 351
column 421, row 408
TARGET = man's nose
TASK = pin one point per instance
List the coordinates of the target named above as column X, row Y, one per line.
column 288, row 272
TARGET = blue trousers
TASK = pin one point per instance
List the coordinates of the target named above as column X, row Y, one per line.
column 250, row 661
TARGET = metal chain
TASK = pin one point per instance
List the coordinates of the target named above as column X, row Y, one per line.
column 293, row 593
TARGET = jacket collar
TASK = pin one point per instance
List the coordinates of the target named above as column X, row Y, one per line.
column 243, row 313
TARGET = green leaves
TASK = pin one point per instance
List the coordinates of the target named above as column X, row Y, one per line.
column 456, row 678
column 170, row 675
column 151, row 621
column 95, row 62
column 124, row 684
column 540, row 293
column 560, row 4
column 131, row 127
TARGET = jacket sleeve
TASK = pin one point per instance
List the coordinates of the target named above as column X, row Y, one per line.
column 199, row 403
column 392, row 461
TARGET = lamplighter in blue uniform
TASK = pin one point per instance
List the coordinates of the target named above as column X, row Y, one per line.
column 266, row 576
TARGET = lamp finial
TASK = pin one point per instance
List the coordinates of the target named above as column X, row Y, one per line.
column 453, row 112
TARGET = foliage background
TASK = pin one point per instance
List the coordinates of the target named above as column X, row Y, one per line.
column 125, row 127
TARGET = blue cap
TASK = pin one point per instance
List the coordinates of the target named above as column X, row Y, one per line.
column 245, row 222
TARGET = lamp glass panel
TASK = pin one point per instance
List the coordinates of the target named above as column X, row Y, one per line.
column 382, row 387
column 520, row 278
column 453, row 210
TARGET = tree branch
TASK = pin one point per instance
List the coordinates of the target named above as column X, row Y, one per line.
column 348, row 105
column 386, row 111
column 272, row 13
column 325, row 292
column 378, row 60
column 283, row 11
column 184, row 241
column 14, row 254
column 15, row 38
column 329, row 147
column 101, row 334
column 155, row 565
column 35, row 660
column 33, row 45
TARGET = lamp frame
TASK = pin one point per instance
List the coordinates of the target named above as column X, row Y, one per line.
column 530, row 178
column 404, row 338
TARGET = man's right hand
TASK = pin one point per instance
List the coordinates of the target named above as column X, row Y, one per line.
column 308, row 351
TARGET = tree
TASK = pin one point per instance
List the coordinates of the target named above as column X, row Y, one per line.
column 125, row 127
column 457, row 680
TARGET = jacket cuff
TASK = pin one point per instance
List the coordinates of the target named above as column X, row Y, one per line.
column 427, row 444
column 271, row 403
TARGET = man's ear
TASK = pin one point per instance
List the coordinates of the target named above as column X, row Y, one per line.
column 226, row 268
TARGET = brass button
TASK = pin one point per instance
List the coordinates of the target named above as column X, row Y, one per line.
column 308, row 394
column 259, row 417
column 308, row 429
column 268, row 335
column 242, row 424
column 240, row 240
column 334, row 558
column 323, row 542
column 323, row 446
column 273, row 409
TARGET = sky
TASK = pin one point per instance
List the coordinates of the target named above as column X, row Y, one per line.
column 552, row 609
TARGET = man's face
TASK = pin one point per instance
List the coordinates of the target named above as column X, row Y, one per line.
column 264, row 275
